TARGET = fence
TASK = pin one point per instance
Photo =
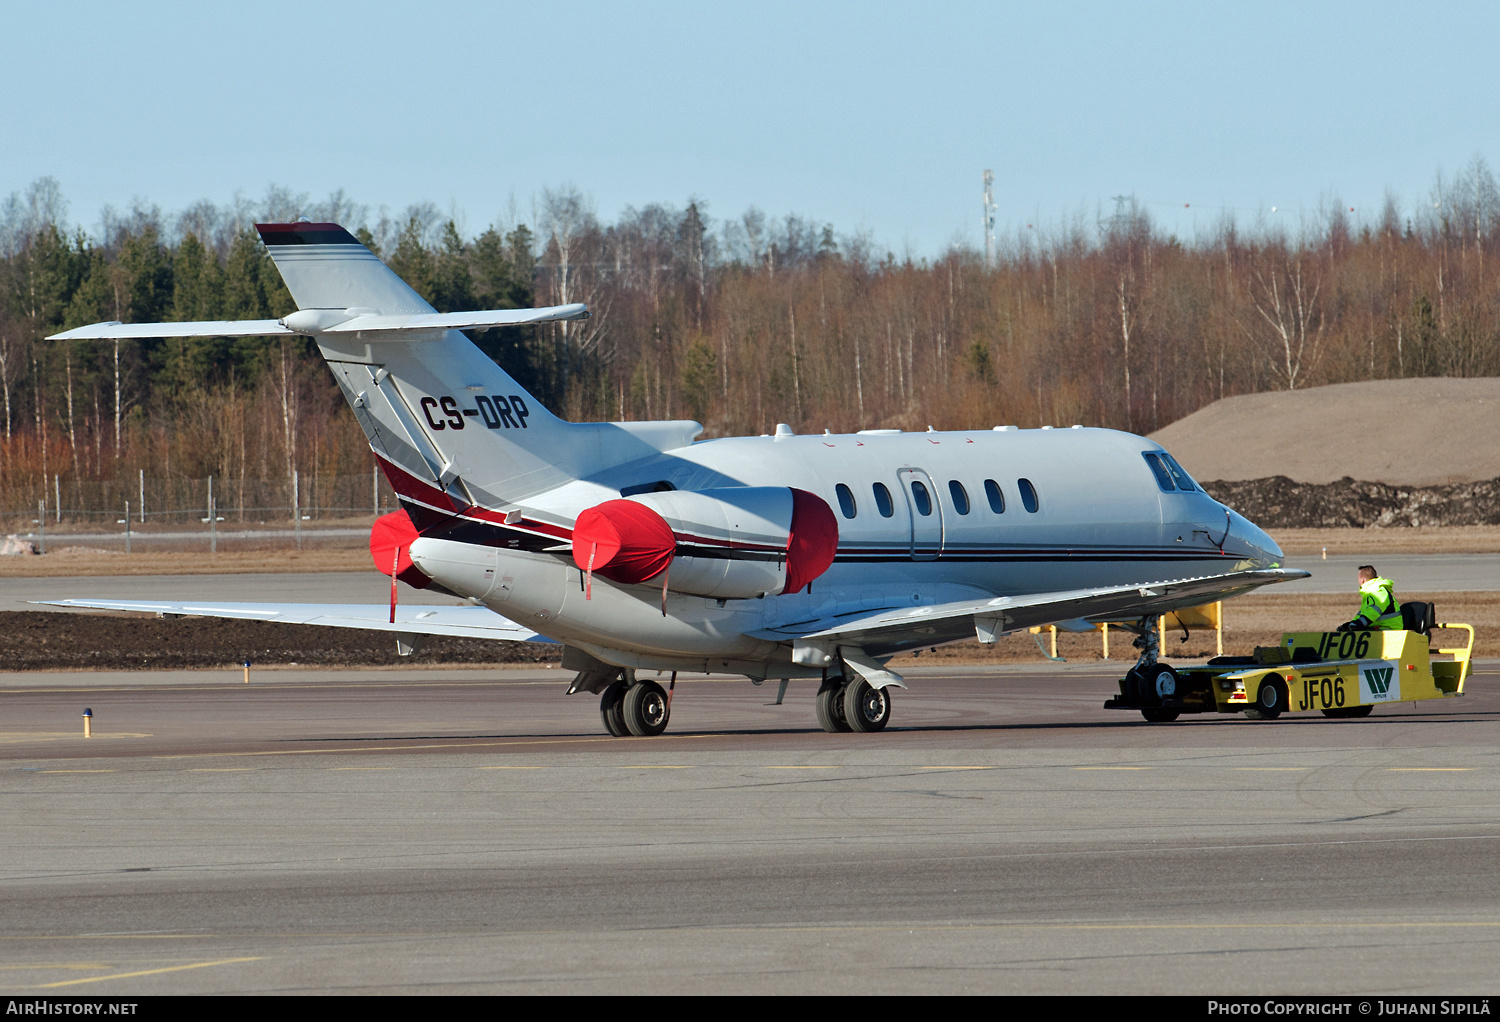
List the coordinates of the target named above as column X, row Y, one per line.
column 166, row 501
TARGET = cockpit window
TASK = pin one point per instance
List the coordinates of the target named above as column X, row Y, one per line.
column 1179, row 475
column 1159, row 469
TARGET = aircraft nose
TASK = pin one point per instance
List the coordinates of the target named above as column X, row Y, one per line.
column 1250, row 542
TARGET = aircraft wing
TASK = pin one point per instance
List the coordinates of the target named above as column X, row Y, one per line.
column 891, row 631
column 464, row 622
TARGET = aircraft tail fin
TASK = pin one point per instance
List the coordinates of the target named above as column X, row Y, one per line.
column 452, row 429
column 325, row 267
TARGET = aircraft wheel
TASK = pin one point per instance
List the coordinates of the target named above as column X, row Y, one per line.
column 611, row 709
column 645, row 709
column 1348, row 711
column 1160, row 716
column 866, row 707
column 1270, row 701
column 830, row 704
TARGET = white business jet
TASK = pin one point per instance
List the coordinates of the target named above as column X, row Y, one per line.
column 774, row 557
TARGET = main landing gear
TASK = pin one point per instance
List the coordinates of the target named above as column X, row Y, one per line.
column 852, row 705
column 641, row 709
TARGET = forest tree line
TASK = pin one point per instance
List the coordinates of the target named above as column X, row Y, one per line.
column 740, row 323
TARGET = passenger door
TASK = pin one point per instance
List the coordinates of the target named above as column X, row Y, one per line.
column 926, row 513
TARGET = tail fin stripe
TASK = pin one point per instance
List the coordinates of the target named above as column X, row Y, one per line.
column 305, row 234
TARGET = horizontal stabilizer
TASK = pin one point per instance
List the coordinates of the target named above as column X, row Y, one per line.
column 313, row 322
column 116, row 330
column 463, row 622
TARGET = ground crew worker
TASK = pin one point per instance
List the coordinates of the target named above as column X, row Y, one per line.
column 1378, row 609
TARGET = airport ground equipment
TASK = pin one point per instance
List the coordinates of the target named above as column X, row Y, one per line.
column 1341, row 674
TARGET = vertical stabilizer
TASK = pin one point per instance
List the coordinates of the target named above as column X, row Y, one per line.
column 452, row 429
column 325, row 267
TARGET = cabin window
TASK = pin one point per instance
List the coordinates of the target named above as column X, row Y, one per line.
column 1159, row 469
column 883, row 502
column 997, row 499
column 846, row 500
column 921, row 498
column 960, row 496
column 1028, row 495
column 1184, row 481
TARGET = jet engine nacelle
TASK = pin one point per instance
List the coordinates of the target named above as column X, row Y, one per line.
column 730, row 543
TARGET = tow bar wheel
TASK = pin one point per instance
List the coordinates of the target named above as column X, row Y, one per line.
column 1270, row 701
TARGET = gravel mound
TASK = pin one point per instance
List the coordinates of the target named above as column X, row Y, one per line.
column 1281, row 503
column 1407, row 433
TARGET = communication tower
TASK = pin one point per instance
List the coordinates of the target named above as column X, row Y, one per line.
column 989, row 219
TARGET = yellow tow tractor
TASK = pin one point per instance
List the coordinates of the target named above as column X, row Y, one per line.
column 1342, row 674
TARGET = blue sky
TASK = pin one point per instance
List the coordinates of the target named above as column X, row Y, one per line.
column 873, row 116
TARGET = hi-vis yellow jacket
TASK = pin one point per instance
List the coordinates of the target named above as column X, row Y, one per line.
column 1378, row 608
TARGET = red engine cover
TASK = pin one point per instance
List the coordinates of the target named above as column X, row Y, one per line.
column 627, row 542
column 390, row 540
column 813, row 542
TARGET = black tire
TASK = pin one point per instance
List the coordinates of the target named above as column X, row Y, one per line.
column 645, row 709
column 830, row 706
column 611, row 710
column 866, row 707
column 1348, row 711
column 1161, row 683
column 1160, row 716
column 1137, row 690
column 1270, row 701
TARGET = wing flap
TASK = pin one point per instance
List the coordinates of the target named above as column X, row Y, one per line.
column 417, row 619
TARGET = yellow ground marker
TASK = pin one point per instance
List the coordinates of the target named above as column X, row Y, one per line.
column 658, row 766
column 967, row 768
column 1113, row 768
column 511, row 768
column 807, row 766
column 145, row 972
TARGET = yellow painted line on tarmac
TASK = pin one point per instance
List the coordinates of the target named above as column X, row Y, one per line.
column 1272, row 768
column 976, row 768
column 1114, row 768
column 1427, row 770
column 511, row 768
column 75, row 771
column 361, row 768
column 145, row 972
column 807, row 766
column 658, row 766
column 220, row 770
